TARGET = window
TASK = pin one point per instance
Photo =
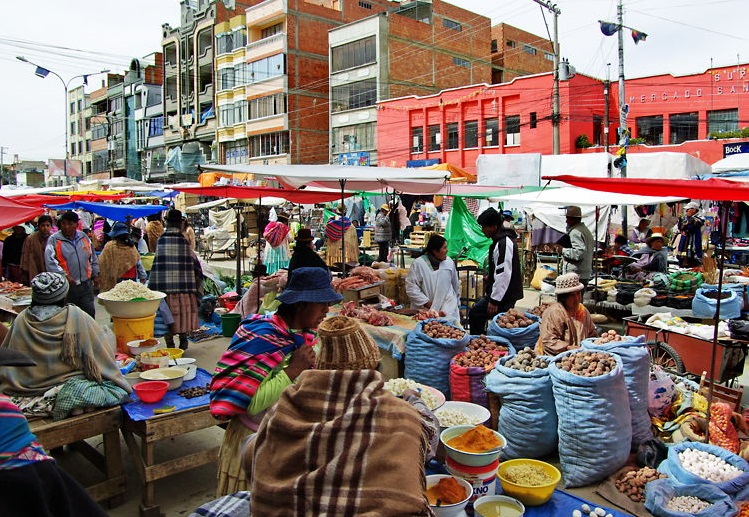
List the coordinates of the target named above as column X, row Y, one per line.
column 722, row 120
column 354, row 95
column 204, row 42
column 239, row 38
column 451, row 24
column 435, row 137
column 417, row 139
column 240, row 111
column 170, row 54
column 241, row 74
column 226, row 78
column 88, row 146
column 267, row 68
column 459, row 61
column 354, row 138
column 548, row 56
column 226, row 115
column 170, row 88
column 80, row 104
column 452, row 135
column 98, row 132
column 72, row 107
column 512, row 130
column 80, row 147
column 683, row 127
column 529, row 50
column 115, row 104
column 100, row 161
column 494, row 46
column 510, row 44
column 597, row 130
column 271, row 144
column 267, row 106
column 651, row 129
column 224, row 43
column 365, row 5
column 156, row 126
column 533, row 122
column 72, row 149
column 470, row 133
column 235, row 152
column 271, row 31
column 356, row 53
column 72, row 129
column 138, row 101
column 491, row 132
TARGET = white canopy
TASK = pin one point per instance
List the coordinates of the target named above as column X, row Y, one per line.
column 734, row 162
column 9, row 191
column 565, row 196
column 367, row 179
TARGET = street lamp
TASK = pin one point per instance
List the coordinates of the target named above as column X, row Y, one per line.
column 44, row 72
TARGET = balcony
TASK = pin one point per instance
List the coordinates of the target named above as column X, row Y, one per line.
column 263, row 13
column 267, row 124
column 266, row 47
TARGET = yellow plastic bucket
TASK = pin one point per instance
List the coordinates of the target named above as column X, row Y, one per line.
column 130, row 329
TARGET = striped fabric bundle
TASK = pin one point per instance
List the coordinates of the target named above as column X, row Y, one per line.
column 334, row 229
column 275, row 233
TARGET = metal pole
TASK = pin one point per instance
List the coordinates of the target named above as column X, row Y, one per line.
column 238, row 250
column 606, row 117
column 623, row 136
column 555, row 115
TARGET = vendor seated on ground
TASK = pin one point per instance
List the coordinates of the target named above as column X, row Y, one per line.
column 650, row 260
column 566, row 323
column 341, row 401
column 618, row 249
column 75, row 368
column 31, row 483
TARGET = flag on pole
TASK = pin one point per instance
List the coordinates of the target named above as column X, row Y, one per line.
column 41, row 72
column 608, row 28
column 638, row 36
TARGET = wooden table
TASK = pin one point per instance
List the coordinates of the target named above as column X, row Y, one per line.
column 73, row 431
column 154, row 430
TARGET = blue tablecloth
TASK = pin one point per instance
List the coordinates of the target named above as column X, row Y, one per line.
column 138, row 410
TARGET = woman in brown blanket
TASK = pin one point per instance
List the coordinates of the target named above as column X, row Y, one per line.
column 337, row 443
column 154, row 230
column 119, row 260
column 566, row 323
column 32, row 256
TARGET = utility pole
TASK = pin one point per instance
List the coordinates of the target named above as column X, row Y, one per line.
column 2, row 166
column 623, row 107
column 555, row 116
column 606, row 120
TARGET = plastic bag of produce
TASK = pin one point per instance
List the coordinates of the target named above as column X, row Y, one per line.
column 527, row 415
column 594, row 426
column 520, row 337
column 636, row 365
column 661, row 392
column 428, row 358
column 737, row 487
column 658, row 493
column 703, row 305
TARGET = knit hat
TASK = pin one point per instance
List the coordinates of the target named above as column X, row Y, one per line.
column 694, row 205
column 304, row 235
column 344, row 345
column 489, row 217
column 10, row 357
column 48, row 288
column 309, row 284
column 568, row 283
column 574, row 211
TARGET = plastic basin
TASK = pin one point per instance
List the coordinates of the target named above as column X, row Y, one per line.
column 527, row 494
column 151, row 391
column 132, row 309
column 471, row 459
column 172, row 376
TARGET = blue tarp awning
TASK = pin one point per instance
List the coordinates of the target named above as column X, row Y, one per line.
column 114, row 212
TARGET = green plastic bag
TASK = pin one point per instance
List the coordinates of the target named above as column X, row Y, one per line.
column 463, row 233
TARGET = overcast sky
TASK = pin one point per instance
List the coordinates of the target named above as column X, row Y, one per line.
column 75, row 37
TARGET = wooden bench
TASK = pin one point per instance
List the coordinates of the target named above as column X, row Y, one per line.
column 74, row 431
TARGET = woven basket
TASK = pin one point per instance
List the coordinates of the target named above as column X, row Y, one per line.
column 344, row 345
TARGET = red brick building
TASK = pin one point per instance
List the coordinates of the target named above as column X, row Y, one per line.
column 516, row 53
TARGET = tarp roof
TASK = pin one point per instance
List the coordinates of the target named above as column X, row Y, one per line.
column 565, row 196
column 15, row 192
column 114, row 212
column 12, row 212
column 41, row 199
column 734, row 162
column 712, row 189
column 366, row 179
column 295, row 196
column 456, row 173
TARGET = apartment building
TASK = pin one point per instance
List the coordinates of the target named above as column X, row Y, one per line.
column 416, row 48
column 515, row 53
column 79, row 147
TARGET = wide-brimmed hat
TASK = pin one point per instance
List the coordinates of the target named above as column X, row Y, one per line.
column 119, row 229
column 282, row 217
column 10, row 357
column 309, row 284
column 574, row 211
column 654, row 237
column 48, row 288
column 568, row 283
column 489, row 217
column 304, row 235
column 694, row 205
column 344, row 345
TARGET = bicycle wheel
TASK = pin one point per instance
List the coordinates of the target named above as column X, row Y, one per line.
column 666, row 357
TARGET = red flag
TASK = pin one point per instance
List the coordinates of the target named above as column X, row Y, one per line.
column 638, row 36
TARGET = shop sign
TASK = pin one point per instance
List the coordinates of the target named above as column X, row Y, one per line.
column 360, row 159
column 737, row 148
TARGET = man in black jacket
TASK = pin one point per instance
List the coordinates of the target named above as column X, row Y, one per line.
column 503, row 285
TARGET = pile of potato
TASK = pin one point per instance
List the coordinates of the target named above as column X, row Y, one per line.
column 539, row 310
column 437, row 330
column 478, row 358
column 608, row 337
column 526, row 361
column 632, row 483
column 513, row 319
column 587, row 364
column 484, row 343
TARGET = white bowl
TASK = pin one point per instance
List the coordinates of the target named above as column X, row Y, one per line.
column 136, row 348
column 132, row 309
column 478, row 414
column 174, row 376
column 498, row 499
column 471, row 459
column 192, row 371
column 133, row 378
column 450, row 510
column 182, row 361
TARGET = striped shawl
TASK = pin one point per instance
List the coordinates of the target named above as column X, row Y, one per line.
column 259, row 345
column 338, row 444
column 175, row 268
